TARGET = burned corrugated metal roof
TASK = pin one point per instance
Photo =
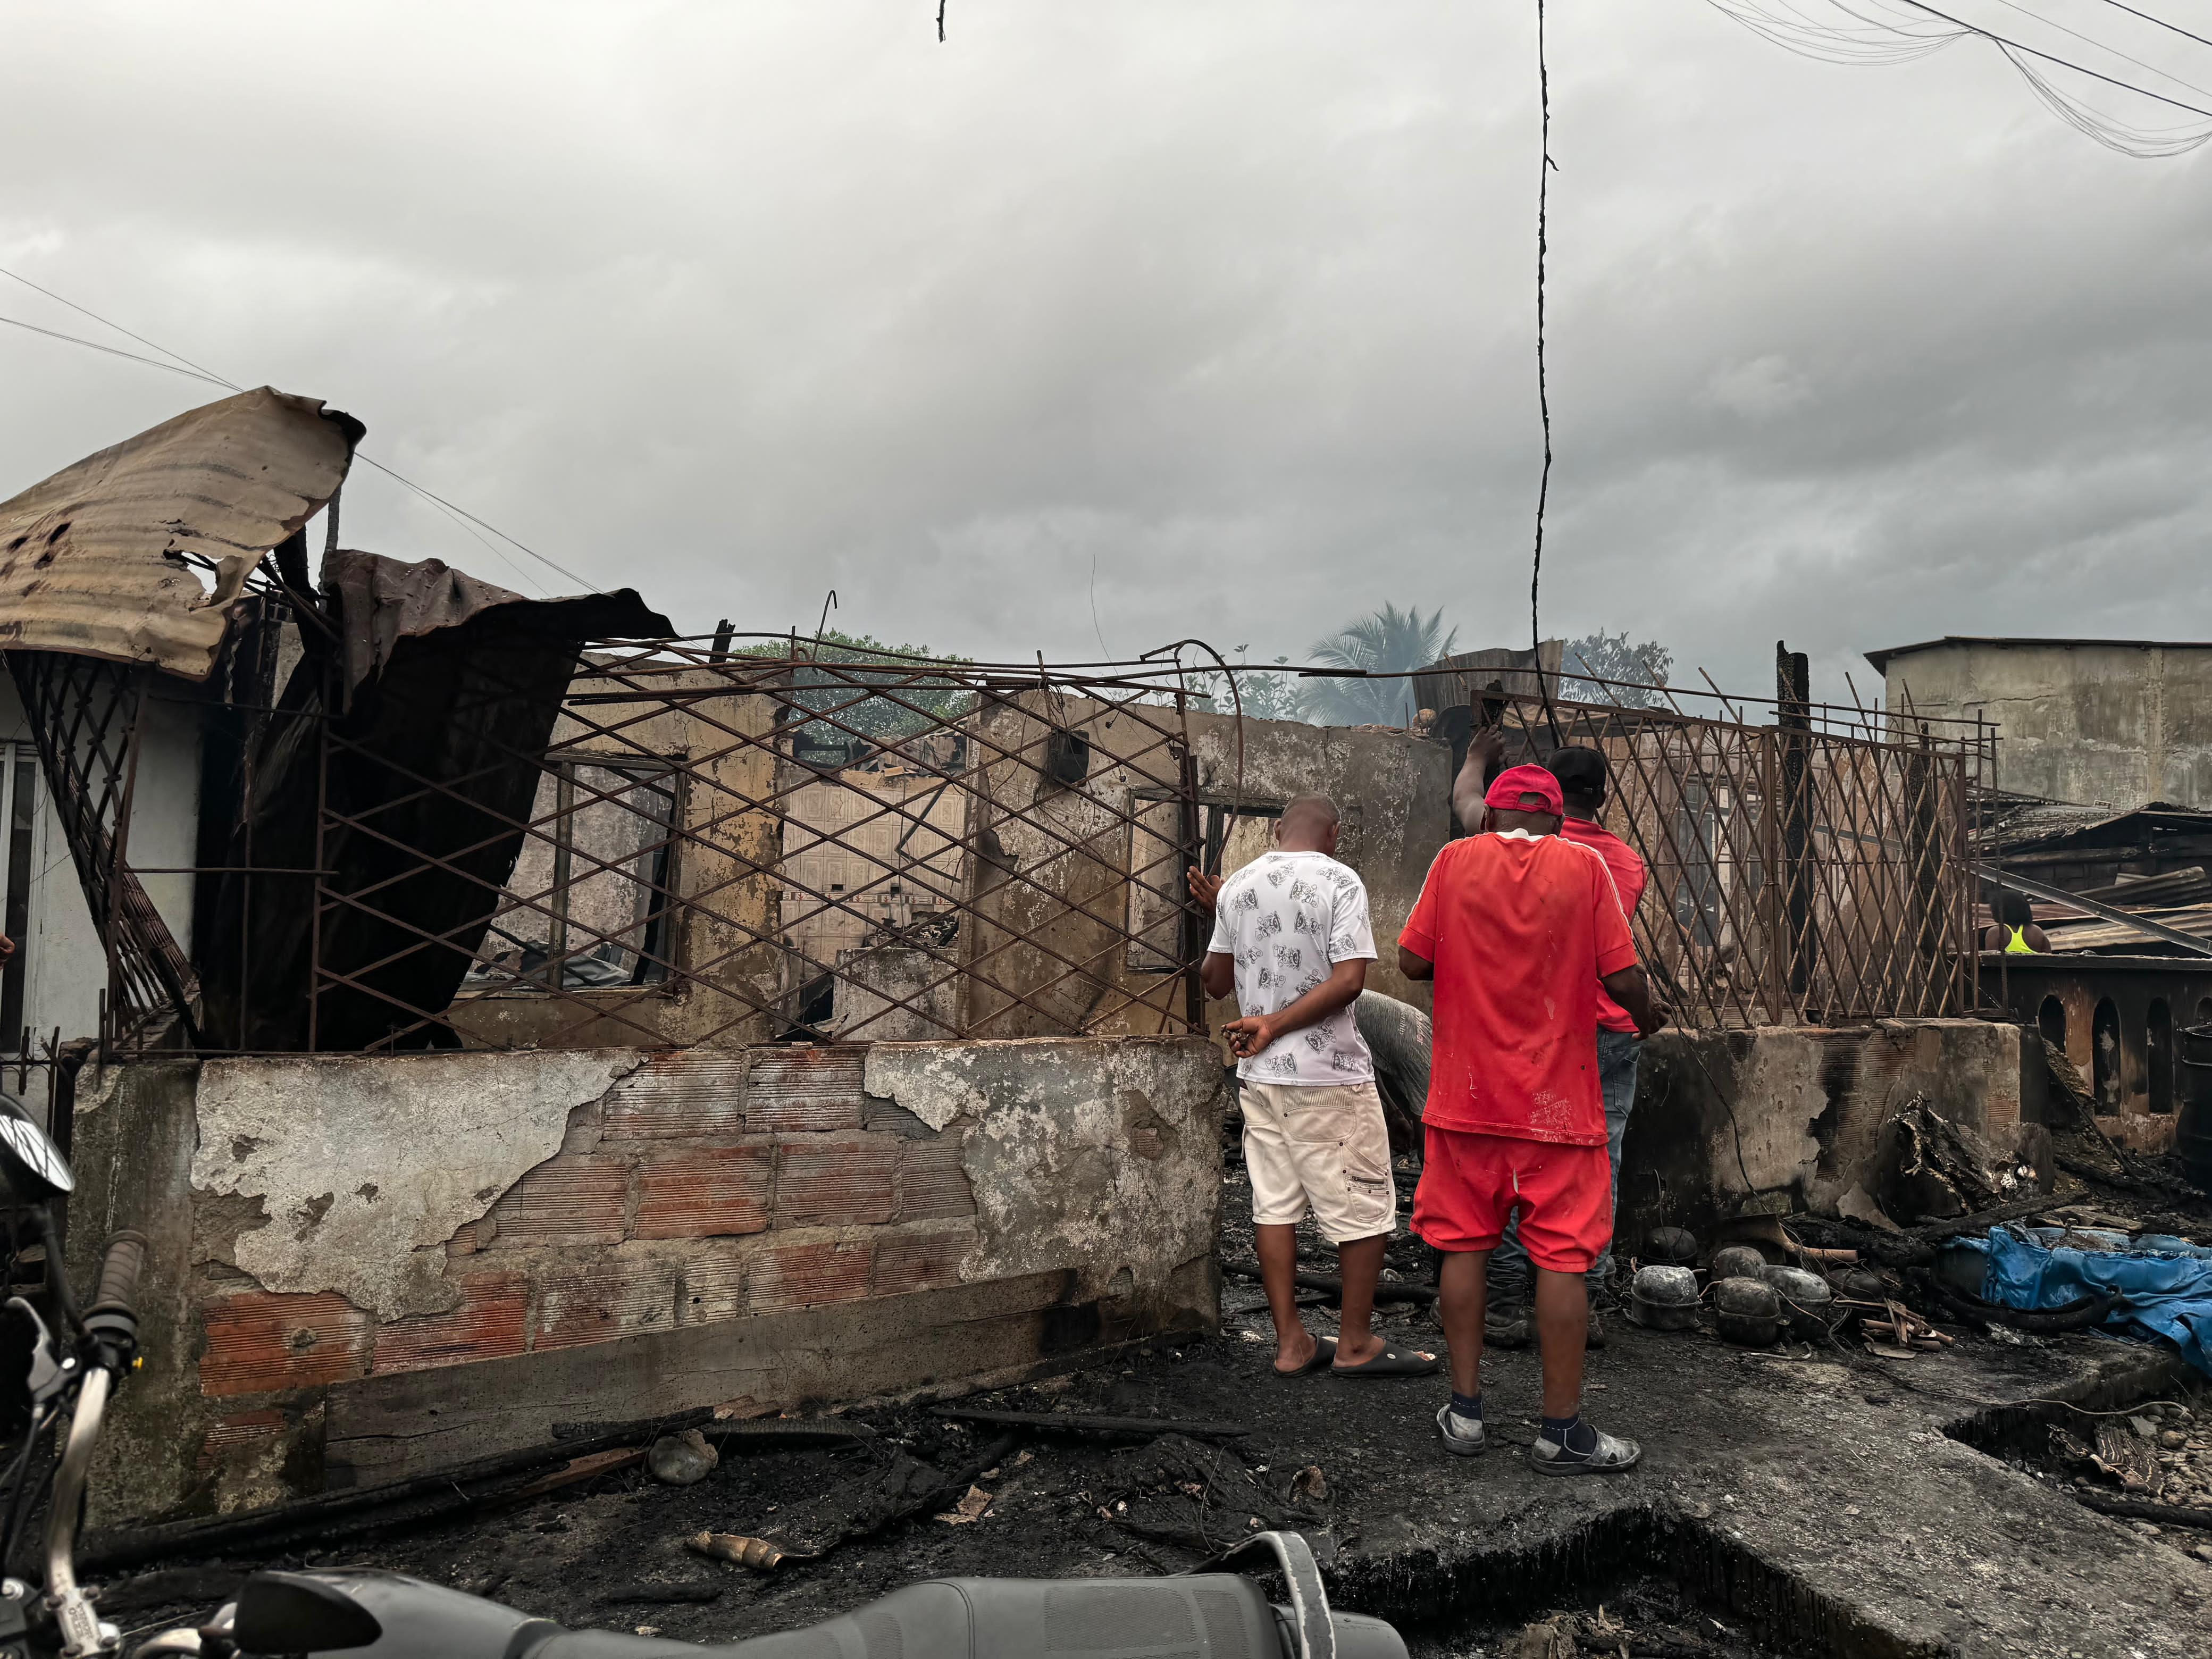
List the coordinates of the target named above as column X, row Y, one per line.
column 90, row 559
column 2020, row 824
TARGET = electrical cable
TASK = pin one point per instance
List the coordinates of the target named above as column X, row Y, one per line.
column 1544, row 171
column 75, row 339
column 2161, row 22
column 2015, row 5
column 193, row 370
column 109, row 322
column 1886, row 39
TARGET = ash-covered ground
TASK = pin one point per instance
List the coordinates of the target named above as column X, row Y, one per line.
column 1791, row 1500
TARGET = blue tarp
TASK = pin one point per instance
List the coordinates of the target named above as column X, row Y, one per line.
column 2169, row 1295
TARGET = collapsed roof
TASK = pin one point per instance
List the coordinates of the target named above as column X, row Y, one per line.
column 99, row 560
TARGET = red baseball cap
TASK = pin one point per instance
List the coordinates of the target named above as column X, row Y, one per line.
column 1515, row 781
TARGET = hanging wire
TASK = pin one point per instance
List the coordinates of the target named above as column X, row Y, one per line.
column 1544, row 171
column 1879, row 32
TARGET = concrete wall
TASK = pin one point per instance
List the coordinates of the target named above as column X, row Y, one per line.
column 2121, row 724
column 1393, row 790
column 366, row 1268
column 1785, row 1119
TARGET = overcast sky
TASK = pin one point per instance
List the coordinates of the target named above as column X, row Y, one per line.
column 1231, row 301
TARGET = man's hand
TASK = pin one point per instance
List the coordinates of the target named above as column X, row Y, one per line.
column 1250, row 1035
column 7, row 950
column 1632, row 989
column 1255, row 1032
column 1206, row 888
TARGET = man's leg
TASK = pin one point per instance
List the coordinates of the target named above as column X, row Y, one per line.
column 1278, row 1205
column 1562, row 1325
column 1565, row 1221
column 1460, row 1293
column 1360, row 1264
column 1618, row 1053
column 1277, row 1247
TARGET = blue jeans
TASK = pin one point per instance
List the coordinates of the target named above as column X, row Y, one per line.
column 1617, row 1053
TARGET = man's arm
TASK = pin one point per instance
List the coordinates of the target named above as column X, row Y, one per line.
column 1415, row 966
column 1484, row 751
column 1249, row 1036
column 1631, row 987
column 1218, row 973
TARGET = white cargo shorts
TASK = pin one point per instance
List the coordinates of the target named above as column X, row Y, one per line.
column 1326, row 1146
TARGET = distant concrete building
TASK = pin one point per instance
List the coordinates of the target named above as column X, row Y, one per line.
column 2118, row 723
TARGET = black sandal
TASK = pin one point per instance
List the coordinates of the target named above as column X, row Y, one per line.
column 1391, row 1362
column 1324, row 1356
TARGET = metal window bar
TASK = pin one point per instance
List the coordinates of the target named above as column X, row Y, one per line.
column 767, row 846
column 1807, row 872
column 1069, row 945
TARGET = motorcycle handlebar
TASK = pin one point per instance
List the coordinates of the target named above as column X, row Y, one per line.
column 119, row 1273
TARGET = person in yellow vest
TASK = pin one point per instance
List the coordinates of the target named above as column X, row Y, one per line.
column 2015, row 933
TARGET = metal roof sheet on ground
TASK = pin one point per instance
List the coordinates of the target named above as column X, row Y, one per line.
column 90, row 560
column 1880, row 657
column 2098, row 934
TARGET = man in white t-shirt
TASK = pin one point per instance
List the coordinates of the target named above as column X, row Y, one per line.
column 1292, row 938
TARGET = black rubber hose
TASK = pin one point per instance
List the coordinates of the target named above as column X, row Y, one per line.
column 2036, row 1322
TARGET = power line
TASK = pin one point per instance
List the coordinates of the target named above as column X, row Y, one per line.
column 151, row 362
column 2100, row 45
column 2160, row 21
column 109, row 322
column 450, row 506
column 195, row 370
column 2063, row 63
column 1882, row 39
column 1544, row 170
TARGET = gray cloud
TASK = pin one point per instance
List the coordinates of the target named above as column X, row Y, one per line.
column 737, row 304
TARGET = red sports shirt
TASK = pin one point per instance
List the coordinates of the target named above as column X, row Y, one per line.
column 1520, row 928
column 1627, row 881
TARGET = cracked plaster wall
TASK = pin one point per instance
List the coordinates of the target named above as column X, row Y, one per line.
column 328, row 1225
column 362, row 1172
column 1106, row 1167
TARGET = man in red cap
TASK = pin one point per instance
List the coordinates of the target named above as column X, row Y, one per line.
column 1519, row 929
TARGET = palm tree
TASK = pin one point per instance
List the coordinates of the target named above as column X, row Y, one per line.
column 1386, row 642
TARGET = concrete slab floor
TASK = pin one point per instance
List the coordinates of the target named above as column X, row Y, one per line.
column 1827, row 1505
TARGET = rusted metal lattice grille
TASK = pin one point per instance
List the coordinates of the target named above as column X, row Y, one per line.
column 720, row 847
column 1800, row 872
column 87, row 718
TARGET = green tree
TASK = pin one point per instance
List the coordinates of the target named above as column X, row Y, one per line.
column 1385, row 641
column 916, row 704
column 1611, row 658
column 1261, row 694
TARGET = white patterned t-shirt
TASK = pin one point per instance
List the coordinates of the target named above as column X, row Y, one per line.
column 1287, row 919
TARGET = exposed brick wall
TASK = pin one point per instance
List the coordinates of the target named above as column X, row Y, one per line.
column 659, row 1201
column 705, row 1186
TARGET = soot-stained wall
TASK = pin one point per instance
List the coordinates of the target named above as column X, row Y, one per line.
column 365, row 1268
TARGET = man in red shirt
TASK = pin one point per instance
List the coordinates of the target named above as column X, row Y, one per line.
column 1519, row 928
column 1582, row 780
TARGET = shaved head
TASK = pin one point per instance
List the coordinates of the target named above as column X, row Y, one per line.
column 1308, row 825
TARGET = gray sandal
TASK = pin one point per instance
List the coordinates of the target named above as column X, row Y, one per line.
column 1610, row 1455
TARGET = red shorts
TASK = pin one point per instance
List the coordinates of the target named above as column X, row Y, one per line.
column 1470, row 1183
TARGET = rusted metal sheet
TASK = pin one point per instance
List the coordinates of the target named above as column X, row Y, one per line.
column 95, row 561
